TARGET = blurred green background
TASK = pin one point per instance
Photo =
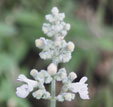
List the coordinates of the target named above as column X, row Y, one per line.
column 91, row 31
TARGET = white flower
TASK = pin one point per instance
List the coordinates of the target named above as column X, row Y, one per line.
column 34, row 73
column 25, row 89
column 64, row 33
column 65, row 96
column 69, row 96
column 55, row 11
column 40, row 42
column 50, row 33
column 65, row 57
column 60, row 98
column 67, row 27
column 41, row 94
column 37, row 75
column 58, row 50
column 61, row 75
column 43, row 76
column 70, row 46
column 58, row 28
column 45, row 29
column 38, row 94
column 60, row 38
column 72, row 76
column 63, row 23
column 47, row 54
column 22, row 91
column 57, row 43
column 81, row 88
column 52, row 69
column 50, row 18
column 61, row 16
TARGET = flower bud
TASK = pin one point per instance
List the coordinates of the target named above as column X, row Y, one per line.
column 54, row 10
column 39, row 43
column 68, row 97
column 34, row 73
column 52, row 69
column 63, row 75
column 67, row 26
column 57, row 43
column 70, row 46
column 72, row 76
column 45, row 30
column 61, row 16
column 64, row 33
column 59, row 38
column 38, row 94
column 49, row 17
column 60, row 98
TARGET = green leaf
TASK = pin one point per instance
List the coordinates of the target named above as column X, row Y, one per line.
column 7, row 63
column 7, row 30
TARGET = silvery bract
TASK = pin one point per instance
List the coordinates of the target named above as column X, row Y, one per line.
column 58, row 50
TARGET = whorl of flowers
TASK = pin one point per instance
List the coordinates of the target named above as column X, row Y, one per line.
column 58, row 50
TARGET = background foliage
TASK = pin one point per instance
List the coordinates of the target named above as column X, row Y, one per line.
column 91, row 30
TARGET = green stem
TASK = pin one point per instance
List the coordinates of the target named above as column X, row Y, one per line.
column 53, row 93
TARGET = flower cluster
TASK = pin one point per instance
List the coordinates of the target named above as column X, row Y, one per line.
column 58, row 50
column 56, row 26
column 40, row 78
column 69, row 89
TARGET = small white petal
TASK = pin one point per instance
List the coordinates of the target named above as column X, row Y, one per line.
column 34, row 73
column 83, row 79
column 31, row 83
column 22, row 77
column 84, row 96
column 80, row 87
column 22, row 91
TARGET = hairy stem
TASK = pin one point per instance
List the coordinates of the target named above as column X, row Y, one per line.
column 53, row 93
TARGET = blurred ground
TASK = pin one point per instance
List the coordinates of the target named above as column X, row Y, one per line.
column 91, row 30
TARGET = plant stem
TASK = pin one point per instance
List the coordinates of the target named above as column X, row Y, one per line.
column 53, row 93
